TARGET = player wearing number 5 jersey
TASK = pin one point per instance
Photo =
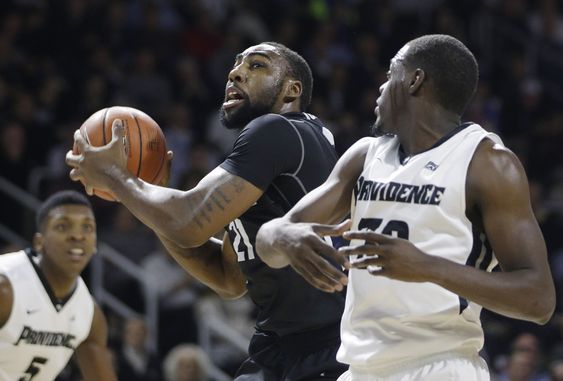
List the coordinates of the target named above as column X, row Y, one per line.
column 281, row 153
column 46, row 311
column 434, row 204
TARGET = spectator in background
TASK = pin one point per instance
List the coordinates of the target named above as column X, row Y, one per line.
column 525, row 360
column 134, row 361
column 556, row 370
column 177, row 292
column 130, row 238
column 186, row 362
column 15, row 166
column 179, row 139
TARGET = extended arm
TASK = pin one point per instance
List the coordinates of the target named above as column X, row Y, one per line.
column 92, row 354
column 212, row 264
column 187, row 218
column 294, row 239
column 498, row 202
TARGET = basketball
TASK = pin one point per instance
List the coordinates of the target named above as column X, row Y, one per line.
column 145, row 143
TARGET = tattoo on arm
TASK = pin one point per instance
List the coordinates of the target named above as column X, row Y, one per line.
column 217, row 199
column 194, row 206
column 238, row 184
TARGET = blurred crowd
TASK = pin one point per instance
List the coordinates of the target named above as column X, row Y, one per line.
column 60, row 61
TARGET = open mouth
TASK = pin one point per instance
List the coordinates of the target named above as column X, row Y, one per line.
column 233, row 98
column 76, row 253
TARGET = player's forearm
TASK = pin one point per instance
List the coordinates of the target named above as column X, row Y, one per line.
column 164, row 210
column 522, row 294
column 206, row 263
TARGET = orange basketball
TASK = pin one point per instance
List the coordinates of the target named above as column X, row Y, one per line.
column 145, row 142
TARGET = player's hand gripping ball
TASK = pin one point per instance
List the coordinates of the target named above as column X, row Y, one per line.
column 145, row 144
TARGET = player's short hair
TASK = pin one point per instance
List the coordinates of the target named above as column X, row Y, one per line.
column 449, row 65
column 298, row 69
column 68, row 197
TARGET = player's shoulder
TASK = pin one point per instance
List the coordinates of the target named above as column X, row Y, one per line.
column 362, row 146
column 6, row 299
column 5, row 286
column 14, row 259
column 267, row 120
column 284, row 120
column 493, row 158
column 269, row 128
column 494, row 169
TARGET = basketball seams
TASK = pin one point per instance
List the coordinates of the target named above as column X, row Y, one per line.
column 158, row 173
column 106, row 110
column 140, row 144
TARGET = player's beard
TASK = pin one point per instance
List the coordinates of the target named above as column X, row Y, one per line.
column 242, row 115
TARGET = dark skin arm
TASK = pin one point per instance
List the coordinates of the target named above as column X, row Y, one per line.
column 291, row 240
column 92, row 354
column 498, row 201
column 212, row 264
column 6, row 299
column 187, row 218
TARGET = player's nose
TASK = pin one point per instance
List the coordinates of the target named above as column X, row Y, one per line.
column 77, row 234
column 237, row 74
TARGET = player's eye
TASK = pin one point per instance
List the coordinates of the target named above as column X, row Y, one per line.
column 256, row 65
column 88, row 228
column 60, row 227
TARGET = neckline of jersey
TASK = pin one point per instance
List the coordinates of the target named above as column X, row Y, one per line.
column 58, row 303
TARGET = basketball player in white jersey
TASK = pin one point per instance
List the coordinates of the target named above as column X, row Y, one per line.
column 46, row 311
column 434, row 204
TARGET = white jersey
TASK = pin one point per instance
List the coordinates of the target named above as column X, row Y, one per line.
column 387, row 322
column 39, row 338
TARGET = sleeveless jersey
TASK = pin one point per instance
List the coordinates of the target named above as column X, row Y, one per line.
column 286, row 156
column 38, row 339
column 388, row 322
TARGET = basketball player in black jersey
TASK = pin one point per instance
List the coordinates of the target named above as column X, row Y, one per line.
column 281, row 153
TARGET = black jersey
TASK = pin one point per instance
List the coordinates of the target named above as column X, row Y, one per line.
column 286, row 156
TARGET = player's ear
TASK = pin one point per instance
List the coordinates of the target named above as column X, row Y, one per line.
column 293, row 90
column 38, row 242
column 416, row 79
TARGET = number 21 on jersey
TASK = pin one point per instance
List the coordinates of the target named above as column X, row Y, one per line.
column 241, row 242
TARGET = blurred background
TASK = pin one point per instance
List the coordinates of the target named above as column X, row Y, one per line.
column 60, row 61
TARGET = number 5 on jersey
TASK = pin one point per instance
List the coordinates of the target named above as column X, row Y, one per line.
column 33, row 368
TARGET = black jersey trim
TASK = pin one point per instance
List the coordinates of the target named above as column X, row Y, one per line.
column 58, row 303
